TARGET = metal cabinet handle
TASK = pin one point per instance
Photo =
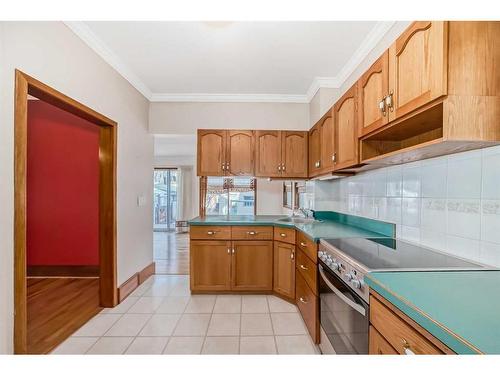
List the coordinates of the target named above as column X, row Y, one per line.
column 303, row 300
column 381, row 106
column 283, row 167
column 234, row 251
column 282, row 234
column 227, row 166
column 303, row 267
column 406, row 348
column 252, row 233
column 389, row 102
column 292, row 255
column 211, row 232
column 229, row 251
column 334, row 156
column 303, row 244
column 279, row 167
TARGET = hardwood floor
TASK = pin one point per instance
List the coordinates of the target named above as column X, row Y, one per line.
column 57, row 307
column 171, row 253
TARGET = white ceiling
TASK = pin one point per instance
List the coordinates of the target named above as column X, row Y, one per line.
column 198, row 61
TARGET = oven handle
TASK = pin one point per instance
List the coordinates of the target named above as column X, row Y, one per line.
column 341, row 295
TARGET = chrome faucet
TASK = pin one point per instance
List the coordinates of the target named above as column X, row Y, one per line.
column 304, row 212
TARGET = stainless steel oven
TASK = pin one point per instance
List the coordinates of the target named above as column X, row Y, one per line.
column 344, row 314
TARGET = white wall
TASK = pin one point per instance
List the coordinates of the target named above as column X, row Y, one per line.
column 50, row 52
column 185, row 118
column 451, row 203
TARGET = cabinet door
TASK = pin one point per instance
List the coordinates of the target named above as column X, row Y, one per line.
column 252, row 265
column 210, row 265
column 346, row 130
column 373, row 87
column 314, row 151
column 294, row 154
column 418, row 66
column 327, row 144
column 379, row 345
column 240, row 152
column 284, row 269
column 211, row 152
column 268, row 153
column 308, row 305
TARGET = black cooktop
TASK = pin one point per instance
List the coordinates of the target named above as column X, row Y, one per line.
column 391, row 254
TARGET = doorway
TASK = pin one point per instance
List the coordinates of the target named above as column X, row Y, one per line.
column 170, row 248
column 99, row 288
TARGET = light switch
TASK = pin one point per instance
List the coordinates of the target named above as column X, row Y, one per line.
column 141, row 200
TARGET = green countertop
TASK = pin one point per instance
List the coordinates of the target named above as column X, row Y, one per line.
column 317, row 230
column 460, row 308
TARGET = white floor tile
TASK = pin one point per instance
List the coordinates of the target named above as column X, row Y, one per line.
column 221, row 345
column 128, row 325
column 110, row 345
column 160, row 325
column 158, row 290
column 146, row 305
column 75, row 345
column 288, row 324
column 256, row 325
column 147, row 345
column 227, row 304
column 295, row 345
column 123, row 307
column 98, row 325
column 257, row 345
column 184, row 345
column 173, row 305
column 180, row 290
column 200, row 305
column 254, row 304
column 192, row 325
column 278, row 305
column 224, row 325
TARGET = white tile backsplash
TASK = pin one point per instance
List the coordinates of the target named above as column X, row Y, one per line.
column 451, row 203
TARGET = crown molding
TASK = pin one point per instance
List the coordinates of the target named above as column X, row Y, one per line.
column 96, row 44
column 99, row 47
column 229, row 98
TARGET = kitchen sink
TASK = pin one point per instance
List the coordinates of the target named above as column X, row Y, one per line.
column 299, row 220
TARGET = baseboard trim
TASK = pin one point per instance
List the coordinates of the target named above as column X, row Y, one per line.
column 134, row 281
column 62, row 271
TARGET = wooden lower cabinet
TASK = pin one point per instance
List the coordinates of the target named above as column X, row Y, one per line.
column 252, row 266
column 308, row 305
column 210, row 265
column 284, row 269
column 393, row 332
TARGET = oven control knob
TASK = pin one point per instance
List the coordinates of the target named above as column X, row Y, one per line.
column 335, row 265
column 328, row 260
column 348, row 276
column 320, row 254
column 356, row 283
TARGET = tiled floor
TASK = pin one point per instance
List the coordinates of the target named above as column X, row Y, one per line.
column 162, row 317
column 171, row 253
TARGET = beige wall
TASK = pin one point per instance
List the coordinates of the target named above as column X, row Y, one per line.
column 185, row 118
column 50, row 52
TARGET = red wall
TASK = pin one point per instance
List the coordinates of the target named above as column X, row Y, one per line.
column 62, row 188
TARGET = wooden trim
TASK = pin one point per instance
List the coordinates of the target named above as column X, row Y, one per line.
column 415, row 27
column 128, row 287
column 26, row 85
column 146, row 272
column 63, row 271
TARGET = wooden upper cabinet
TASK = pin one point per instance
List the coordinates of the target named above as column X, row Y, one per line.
column 418, row 62
column 373, row 88
column 314, row 150
column 252, row 265
column 346, row 130
column 240, row 152
column 327, row 144
column 211, row 153
column 294, row 153
column 268, row 153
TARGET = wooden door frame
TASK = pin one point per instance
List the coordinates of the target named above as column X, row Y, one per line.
column 24, row 86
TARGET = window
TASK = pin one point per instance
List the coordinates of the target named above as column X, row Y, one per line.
column 228, row 196
column 165, row 199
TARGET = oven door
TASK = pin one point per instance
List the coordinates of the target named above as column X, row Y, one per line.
column 344, row 315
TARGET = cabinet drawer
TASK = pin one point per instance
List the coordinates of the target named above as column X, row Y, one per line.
column 309, row 247
column 397, row 332
column 252, row 233
column 308, row 270
column 308, row 305
column 284, row 235
column 210, row 232
column 379, row 345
